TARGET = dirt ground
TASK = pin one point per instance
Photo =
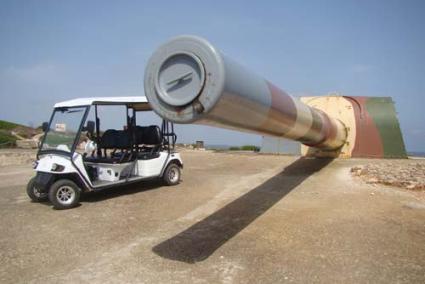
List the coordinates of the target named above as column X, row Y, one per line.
column 235, row 218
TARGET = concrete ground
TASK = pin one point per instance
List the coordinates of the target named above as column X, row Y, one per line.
column 235, row 218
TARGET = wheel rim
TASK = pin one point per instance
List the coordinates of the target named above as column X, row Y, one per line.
column 65, row 195
column 173, row 175
column 37, row 192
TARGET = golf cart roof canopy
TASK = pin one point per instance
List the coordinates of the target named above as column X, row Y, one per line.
column 138, row 103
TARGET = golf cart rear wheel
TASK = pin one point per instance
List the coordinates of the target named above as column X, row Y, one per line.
column 64, row 194
column 34, row 193
column 172, row 174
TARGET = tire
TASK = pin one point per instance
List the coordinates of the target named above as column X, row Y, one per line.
column 172, row 174
column 34, row 193
column 64, row 194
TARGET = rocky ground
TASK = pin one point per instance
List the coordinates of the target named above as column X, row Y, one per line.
column 409, row 174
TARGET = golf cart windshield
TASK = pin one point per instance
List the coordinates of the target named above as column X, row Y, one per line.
column 64, row 129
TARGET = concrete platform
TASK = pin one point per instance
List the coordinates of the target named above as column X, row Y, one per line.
column 235, row 218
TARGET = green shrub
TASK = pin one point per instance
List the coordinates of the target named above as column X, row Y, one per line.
column 234, row 148
column 6, row 140
column 6, row 125
column 245, row 148
column 250, row 148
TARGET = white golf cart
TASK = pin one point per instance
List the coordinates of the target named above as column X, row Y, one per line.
column 75, row 156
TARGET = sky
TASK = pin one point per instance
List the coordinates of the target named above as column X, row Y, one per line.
column 52, row 51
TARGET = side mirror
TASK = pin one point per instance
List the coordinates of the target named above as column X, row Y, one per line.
column 90, row 126
column 45, row 126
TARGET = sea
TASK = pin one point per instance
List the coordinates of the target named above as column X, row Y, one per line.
column 416, row 154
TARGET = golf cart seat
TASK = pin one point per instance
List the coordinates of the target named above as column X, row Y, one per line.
column 116, row 140
column 148, row 141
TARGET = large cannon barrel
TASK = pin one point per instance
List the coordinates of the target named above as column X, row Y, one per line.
column 188, row 80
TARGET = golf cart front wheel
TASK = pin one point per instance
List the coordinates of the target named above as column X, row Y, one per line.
column 64, row 194
column 34, row 193
column 172, row 174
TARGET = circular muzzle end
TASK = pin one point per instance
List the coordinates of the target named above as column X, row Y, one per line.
column 180, row 79
column 184, row 79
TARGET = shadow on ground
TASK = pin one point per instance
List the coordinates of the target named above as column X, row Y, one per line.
column 200, row 241
column 113, row 192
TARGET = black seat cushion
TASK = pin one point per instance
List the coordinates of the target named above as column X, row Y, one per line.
column 148, row 135
column 115, row 139
column 138, row 134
